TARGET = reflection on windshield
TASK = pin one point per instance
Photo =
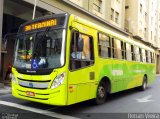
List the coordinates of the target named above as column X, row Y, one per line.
column 40, row 50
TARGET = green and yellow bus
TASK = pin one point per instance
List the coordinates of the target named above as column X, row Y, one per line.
column 63, row 59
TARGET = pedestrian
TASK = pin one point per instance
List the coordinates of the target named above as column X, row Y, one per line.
column 9, row 70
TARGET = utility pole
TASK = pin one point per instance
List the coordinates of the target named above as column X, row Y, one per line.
column 1, row 24
column 34, row 10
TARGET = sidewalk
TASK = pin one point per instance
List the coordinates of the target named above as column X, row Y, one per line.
column 157, row 74
column 5, row 90
column 5, row 82
column 5, row 86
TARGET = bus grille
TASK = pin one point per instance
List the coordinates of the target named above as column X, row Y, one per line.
column 33, row 84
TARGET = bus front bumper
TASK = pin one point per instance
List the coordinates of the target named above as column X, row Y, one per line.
column 57, row 96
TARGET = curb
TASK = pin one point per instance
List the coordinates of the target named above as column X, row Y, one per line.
column 1, row 85
column 5, row 83
column 5, row 90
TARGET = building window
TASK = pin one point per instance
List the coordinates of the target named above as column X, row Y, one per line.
column 146, row 16
column 140, row 8
column 145, row 32
column 112, row 14
column 127, row 7
column 151, row 20
column 97, row 5
column 77, row 2
column 117, row 18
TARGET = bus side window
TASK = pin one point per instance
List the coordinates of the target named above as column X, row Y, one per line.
column 136, row 49
column 115, row 50
column 123, row 49
column 128, row 50
column 119, row 49
column 104, row 45
column 146, row 52
column 112, row 47
column 151, row 57
column 140, row 53
column 133, row 53
column 81, row 51
column 143, row 55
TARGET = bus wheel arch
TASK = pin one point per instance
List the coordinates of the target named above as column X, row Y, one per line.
column 103, row 90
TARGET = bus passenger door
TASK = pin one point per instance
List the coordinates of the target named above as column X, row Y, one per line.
column 81, row 74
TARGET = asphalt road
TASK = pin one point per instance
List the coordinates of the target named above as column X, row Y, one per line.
column 119, row 105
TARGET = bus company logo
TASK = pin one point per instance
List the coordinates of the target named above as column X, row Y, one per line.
column 31, row 85
column 30, row 71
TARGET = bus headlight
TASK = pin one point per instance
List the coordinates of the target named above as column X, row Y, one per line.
column 12, row 78
column 58, row 81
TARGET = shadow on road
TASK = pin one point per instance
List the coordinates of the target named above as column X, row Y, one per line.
column 87, row 105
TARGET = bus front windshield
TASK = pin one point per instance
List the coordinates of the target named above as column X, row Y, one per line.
column 45, row 49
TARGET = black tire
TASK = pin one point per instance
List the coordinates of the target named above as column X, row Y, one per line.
column 101, row 93
column 144, row 84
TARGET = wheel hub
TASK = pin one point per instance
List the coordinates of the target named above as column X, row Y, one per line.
column 101, row 92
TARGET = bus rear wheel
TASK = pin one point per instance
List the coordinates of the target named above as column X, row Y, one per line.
column 101, row 93
column 144, row 84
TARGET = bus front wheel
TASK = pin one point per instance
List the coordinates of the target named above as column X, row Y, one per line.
column 101, row 93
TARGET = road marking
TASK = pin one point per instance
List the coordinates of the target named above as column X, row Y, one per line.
column 35, row 110
column 145, row 99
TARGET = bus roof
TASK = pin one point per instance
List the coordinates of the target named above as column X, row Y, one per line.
column 64, row 17
column 126, row 38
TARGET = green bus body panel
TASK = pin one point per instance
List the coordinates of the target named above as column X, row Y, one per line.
column 78, row 85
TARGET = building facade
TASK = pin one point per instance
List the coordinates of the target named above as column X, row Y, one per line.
column 112, row 11
column 140, row 18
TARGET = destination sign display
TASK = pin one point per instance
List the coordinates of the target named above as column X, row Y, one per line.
column 40, row 25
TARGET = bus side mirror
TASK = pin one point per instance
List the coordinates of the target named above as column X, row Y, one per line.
column 80, row 44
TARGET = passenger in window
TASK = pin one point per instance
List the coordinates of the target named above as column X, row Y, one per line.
column 75, row 54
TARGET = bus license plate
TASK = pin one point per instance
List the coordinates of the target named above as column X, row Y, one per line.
column 29, row 93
